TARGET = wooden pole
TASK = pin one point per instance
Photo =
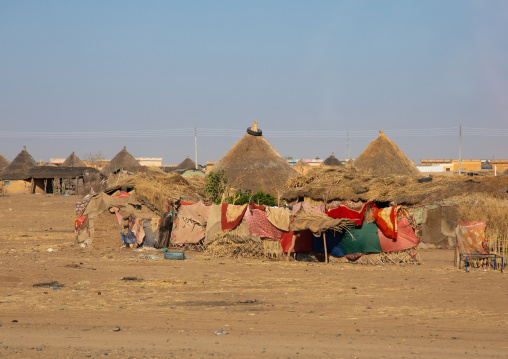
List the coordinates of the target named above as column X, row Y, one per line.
column 326, row 249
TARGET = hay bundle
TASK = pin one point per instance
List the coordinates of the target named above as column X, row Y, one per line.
column 157, row 187
column 318, row 222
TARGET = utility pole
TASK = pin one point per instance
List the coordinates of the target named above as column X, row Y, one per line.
column 460, row 149
column 196, row 145
column 348, row 154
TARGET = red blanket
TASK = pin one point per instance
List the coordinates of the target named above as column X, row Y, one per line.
column 231, row 215
column 355, row 216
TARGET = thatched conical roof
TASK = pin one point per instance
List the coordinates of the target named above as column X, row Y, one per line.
column 301, row 163
column 123, row 160
column 382, row 157
column 19, row 167
column 73, row 161
column 253, row 164
column 4, row 162
column 332, row 161
column 187, row 164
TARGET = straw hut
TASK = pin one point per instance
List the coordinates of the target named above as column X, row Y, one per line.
column 73, row 161
column 332, row 161
column 122, row 161
column 4, row 162
column 252, row 164
column 15, row 177
column 302, row 167
column 382, row 157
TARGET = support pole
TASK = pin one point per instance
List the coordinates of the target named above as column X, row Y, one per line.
column 326, row 249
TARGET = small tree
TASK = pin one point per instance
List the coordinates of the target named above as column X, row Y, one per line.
column 216, row 185
column 93, row 158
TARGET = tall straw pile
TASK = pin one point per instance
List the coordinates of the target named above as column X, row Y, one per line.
column 158, row 187
column 349, row 183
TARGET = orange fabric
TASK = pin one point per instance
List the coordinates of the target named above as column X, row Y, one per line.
column 386, row 220
column 470, row 237
column 231, row 215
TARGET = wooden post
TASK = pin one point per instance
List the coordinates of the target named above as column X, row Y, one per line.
column 326, row 249
column 45, row 185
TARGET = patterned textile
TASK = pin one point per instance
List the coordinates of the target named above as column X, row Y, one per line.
column 259, row 226
column 138, row 231
column 470, row 237
column 231, row 215
column 350, row 210
column 279, row 217
column 306, row 207
column 386, row 219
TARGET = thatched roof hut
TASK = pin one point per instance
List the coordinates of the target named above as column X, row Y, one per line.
column 124, row 161
column 4, row 162
column 382, row 157
column 186, row 164
column 19, row 167
column 253, row 164
column 332, row 161
column 301, row 163
column 73, row 161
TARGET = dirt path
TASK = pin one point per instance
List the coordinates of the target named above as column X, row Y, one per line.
column 269, row 309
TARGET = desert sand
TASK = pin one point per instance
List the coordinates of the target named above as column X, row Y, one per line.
column 224, row 307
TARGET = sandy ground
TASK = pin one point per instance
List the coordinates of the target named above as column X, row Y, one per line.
column 269, row 309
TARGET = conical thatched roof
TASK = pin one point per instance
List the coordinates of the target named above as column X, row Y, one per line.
column 382, row 157
column 332, row 161
column 3, row 162
column 301, row 163
column 73, row 161
column 19, row 167
column 123, row 160
column 187, row 164
column 253, row 164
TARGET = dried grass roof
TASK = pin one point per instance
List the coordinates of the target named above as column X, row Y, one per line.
column 382, row 157
column 253, row 164
column 187, row 164
column 19, row 167
column 157, row 187
column 301, row 163
column 73, row 161
column 349, row 183
column 64, row 172
column 4, row 162
column 332, row 161
column 123, row 160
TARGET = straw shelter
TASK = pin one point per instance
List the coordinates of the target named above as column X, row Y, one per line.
column 185, row 165
column 15, row 177
column 4, row 162
column 252, row 164
column 73, row 161
column 382, row 157
column 302, row 167
column 122, row 161
column 332, row 161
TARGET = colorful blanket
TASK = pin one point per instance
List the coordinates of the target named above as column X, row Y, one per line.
column 260, row 226
column 470, row 237
column 386, row 219
column 231, row 215
column 350, row 211
column 303, row 241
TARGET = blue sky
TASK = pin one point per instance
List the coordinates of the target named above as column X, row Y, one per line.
column 89, row 76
